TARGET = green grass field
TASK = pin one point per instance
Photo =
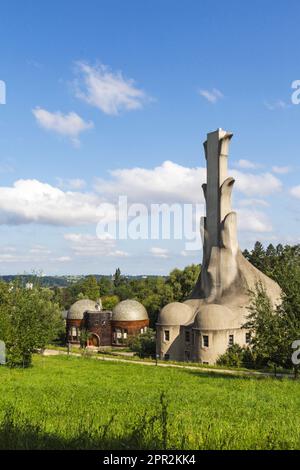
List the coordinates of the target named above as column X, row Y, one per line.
column 67, row 403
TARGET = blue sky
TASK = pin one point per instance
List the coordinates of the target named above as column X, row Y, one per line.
column 95, row 88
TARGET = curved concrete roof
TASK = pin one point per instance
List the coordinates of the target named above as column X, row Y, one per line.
column 129, row 310
column 78, row 309
column 216, row 317
column 175, row 313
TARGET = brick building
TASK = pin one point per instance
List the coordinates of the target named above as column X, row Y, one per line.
column 104, row 327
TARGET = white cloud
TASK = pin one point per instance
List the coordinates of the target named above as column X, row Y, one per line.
column 295, row 191
column 31, row 201
column 31, row 256
column 279, row 104
column 186, row 253
column 70, row 125
column 106, row 90
column 39, row 250
column 75, row 183
column 90, row 245
column 63, row 259
column 212, row 96
column 281, row 170
column 253, row 202
column 168, row 183
column 247, row 164
column 171, row 182
column 256, row 184
column 253, row 221
column 159, row 252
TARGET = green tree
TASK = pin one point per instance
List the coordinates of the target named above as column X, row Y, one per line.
column 105, row 285
column 109, row 301
column 117, row 278
column 183, row 281
column 144, row 344
column 268, row 334
column 257, row 256
column 89, row 288
column 29, row 320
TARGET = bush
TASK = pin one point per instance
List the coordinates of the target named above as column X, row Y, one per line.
column 144, row 344
column 237, row 356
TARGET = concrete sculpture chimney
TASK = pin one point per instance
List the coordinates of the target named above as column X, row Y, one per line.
column 218, row 305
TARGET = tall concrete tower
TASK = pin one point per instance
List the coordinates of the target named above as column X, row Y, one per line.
column 218, row 305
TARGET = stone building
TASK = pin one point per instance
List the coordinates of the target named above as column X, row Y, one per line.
column 104, row 327
column 129, row 318
column 201, row 328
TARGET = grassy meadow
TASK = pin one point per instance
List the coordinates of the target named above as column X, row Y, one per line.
column 76, row 403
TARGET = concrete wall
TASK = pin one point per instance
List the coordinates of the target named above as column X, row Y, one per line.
column 218, row 344
column 173, row 347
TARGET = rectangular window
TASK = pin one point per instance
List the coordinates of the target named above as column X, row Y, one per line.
column 231, row 340
column 167, row 335
column 187, row 336
column 74, row 332
column 248, row 337
column 205, row 341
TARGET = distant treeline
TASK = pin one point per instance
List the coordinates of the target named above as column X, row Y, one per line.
column 61, row 281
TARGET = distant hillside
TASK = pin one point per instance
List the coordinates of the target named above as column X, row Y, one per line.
column 61, row 281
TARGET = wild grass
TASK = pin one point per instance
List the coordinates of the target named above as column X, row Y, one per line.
column 75, row 403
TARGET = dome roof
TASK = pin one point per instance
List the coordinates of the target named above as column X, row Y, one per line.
column 77, row 310
column 175, row 313
column 216, row 317
column 129, row 310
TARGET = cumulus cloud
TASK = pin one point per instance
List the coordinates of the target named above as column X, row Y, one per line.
column 168, row 183
column 247, row 164
column 295, row 191
column 253, row 202
column 171, row 182
column 84, row 244
column 281, row 170
column 253, row 221
column 31, row 201
column 75, row 183
column 212, row 96
column 250, row 184
column 158, row 252
column 70, row 125
column 107, row 90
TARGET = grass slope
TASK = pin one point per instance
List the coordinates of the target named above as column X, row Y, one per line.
column 64, row 403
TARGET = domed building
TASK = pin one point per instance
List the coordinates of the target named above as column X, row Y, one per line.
column 87, row 315
column 105, row 327
column 202, row 327
column 129, row 318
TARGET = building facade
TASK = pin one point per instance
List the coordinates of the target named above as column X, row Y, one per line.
column 87, row 322
column 205, row 325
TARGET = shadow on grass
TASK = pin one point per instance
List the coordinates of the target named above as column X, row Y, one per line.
column 233, row 376
column 17, row 432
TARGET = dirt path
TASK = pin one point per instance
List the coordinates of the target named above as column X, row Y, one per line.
column 54, row 352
